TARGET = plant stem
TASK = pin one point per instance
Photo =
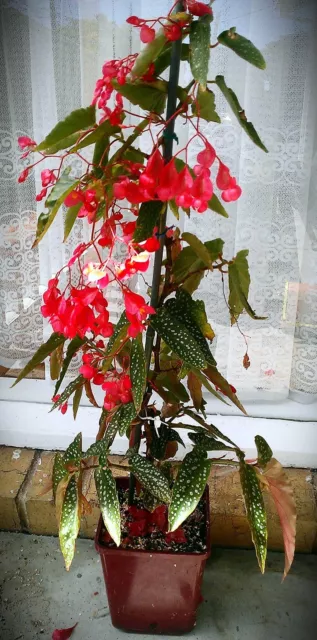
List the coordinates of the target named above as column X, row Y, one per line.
column 167, row 155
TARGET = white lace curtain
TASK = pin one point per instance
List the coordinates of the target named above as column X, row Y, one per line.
column 51, row 53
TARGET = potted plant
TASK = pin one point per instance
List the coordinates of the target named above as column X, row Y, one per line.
column 154, row 532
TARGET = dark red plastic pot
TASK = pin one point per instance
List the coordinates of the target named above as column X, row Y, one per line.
column 153, row 591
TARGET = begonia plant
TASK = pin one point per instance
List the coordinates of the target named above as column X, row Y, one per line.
column 153, row 364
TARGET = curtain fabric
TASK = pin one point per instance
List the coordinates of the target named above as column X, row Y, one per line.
column 51, row 54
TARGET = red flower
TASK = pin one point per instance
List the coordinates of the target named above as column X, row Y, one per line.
column 198, row 8
column 137, row 311
column 135, row 21
column 74, row 197
column 147, row 34
column 207, row 156
column 24, row 142
column 23, row 175
column 172, row 32
column 87, row 371
column 176, row 536
column 47, row 177
column 233, row 192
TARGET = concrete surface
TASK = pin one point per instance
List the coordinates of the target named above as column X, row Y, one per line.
column 38, row 595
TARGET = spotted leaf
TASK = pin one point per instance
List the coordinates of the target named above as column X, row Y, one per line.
column 70, row 521
column 150, row 478
column 73, row 453
column 68, row 391
column 59, row 472
column 116, row 342
column 242, row 47
column 96, row 449
column 265, row 452
column 255, row 510
column 72, row 348
column 208, row 443
column 109, row 502
column 199, row 48
column 126, row 414
column 137, row 371
column 178, row 338
column 189, row 487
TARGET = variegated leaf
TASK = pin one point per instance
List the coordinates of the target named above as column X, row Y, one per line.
column 126, row 414
column 189, row 487
column 109, row 502
column 73, row 453
column 150, row 478
column 96, row 449
column 255, row 510
column 73, row 346
column 208, row 443
column 70, row 389
column 70, row 520
column 116, row 341
column 59, row 472
column 178, row 338
column 265, row 452
column 138, row 371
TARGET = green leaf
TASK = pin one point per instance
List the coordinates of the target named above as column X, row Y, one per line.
column 219, row 381
column 65, row 143
column 173, row 385
column 208, row 443
column 70, row 389
column 199, row 49
column 73, row 346
column 75, row 122
column 189, row 487
column 73, row 453
column 76, row 401
column 137, row 371
column 54, row 201
column 178, row 338
column 184, row 309
column 101, row 133
column 188, row 261
column 192, row 283
column 116, row 341
column 148, row 54
column 214, row 431
column 70, row 521
column 239, row 112
column 174, row 208
column 150, row 478
column 215, row 205
column 208, row 386
column 198, row 247
column 205, row 107
column 96, row 449
column 59, row 472
column 70, row 219
column 255, row 510
column 149, row 96
column 198, row 313
column 163, row 60
column 239, row 282
column 54, row 341
column 126, row 413
column 108, row 502
column 242, row 47
column 55, row 362
column 264, row 450
column 148, row 218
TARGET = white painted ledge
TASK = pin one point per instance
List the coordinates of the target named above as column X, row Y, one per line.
column 29, row 424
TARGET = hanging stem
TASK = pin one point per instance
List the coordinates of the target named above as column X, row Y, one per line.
column 167, row 155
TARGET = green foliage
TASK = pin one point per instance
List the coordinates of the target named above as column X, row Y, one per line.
column 149, row 96
column 163, row 60
column 54, row 341
column 171, row 383
column 109, row 502
column 97, row 448
column 215, row 205
column 72, row 348
column 116, row 341
column 75, row 122
column 126, row 413
column 76, row 401
column 68, row 391
column 61, row 189
column 137, row 371
column 265, row 452
column 59, row 472
column 198, row 247
column 73, row 453
column 70, row 520
column 208, row 443
column 178, row 338
column 239, row 282
column 189, row 487
column 242, row 47
column 219, row 381
column 255, row 510
column 148, row 218
column 239, row 113
column 199, row 49
column 205, row 107
column 150, row 478
column 70, row 219
column 101, row 133
column 188, row 261
column 159, row 441
column 148, row 54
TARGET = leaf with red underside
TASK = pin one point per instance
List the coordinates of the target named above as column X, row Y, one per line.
column 276, row 481
column 176, row 536
column 63, row 634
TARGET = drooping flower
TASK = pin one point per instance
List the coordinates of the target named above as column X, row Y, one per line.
column 25, row 142
column 198, row 8
column 23, row 175
column 137, row 312
column 147, row 34
column 172, row 32
column 47, row 177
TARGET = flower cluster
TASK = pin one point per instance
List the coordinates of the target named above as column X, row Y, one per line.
column 82, row 311
column 159, row 181
column 116, row 385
